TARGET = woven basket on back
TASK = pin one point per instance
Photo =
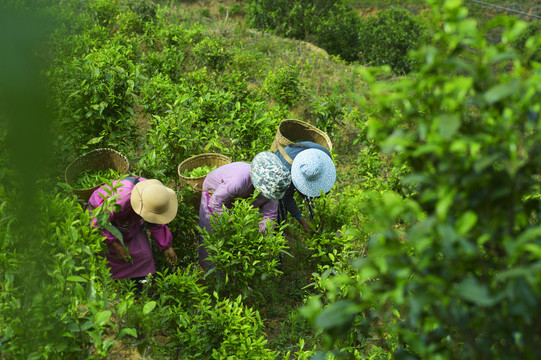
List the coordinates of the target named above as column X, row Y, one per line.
column 208, row 159
column 292, row 131
column 196, row 183
column 99, row 159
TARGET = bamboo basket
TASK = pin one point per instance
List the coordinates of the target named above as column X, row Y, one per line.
column 208, row 159
column 292, row 131
column 196, row 183
column 99, row 159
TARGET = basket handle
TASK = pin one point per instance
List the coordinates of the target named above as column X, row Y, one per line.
column 284, row 154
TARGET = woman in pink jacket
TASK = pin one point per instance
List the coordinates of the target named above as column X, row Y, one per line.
column 238, row 180
column 142, row 204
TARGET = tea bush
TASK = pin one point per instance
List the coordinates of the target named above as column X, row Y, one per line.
column 291, row 19
column 157, row 307
column 283, row 86
column 378, row 172
column 251, row 128
column 181, row 288
column 387, row 38
column 327, row 112
column 128, row 21
column 104, row 12
column 167, row 146
column 101, row 91
column 167, row 48
column 184, row 231
column 157, row 93
column 226, row 329
column 240, row 253
column 213, row 52
column 338, row 32
column 205, row 326
column 332, row 25
column 76, row 33
column 146, row 9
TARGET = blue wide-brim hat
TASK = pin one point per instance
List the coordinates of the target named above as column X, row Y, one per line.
column 313, row 171
column 269, row 175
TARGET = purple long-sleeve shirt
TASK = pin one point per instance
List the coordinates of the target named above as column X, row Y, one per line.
column 230, row 182
column 126, row 219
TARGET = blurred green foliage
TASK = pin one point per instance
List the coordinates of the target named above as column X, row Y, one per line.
column 455, row 267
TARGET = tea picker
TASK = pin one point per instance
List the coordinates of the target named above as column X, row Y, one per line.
column 312, row 172
column 141, row 204
column 239, row 180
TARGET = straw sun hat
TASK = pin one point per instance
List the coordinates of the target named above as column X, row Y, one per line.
column 313, row 171
column 154, row 202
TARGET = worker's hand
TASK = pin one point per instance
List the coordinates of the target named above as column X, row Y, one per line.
column 306, row 225
column 120, row 251
column 170, row 256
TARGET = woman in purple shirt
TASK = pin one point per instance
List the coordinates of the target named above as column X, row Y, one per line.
column 238, row 180
column 142, row 202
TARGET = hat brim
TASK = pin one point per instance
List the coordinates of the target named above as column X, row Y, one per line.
column 323, row 183
column 271, row 196
column 149, row 216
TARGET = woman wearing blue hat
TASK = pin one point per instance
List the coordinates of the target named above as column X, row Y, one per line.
column 312, row 172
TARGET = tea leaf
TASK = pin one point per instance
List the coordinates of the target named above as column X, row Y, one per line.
column 149, row 306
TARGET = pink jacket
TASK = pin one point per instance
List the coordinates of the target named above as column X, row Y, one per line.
column 126, row 220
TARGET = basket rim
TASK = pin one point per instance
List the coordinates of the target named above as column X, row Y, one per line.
column 279, row 136
column 82, row 156
column 196, row 157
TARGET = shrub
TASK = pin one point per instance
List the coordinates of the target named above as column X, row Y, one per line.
column 129, row 22
column 332, row 25
column 283, row 86
column 252, row 128
column 213, row 52
column 103, row 11
column 166, row 61
column 282, row 17
column 240, row 253
column 175, row 293
column 327, row 112
column 387, row 38
column 166, row 146
column 184, row 231
column 182, row 288
column 146, row 9
column 222, row 330
column 97, row 96
column 157, row 93
column 338, row 32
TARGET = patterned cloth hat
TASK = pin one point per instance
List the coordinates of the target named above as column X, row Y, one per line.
column 313, row 171
column 269, row 175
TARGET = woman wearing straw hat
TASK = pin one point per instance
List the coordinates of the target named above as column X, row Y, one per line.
column 312, row 172
column 239, row 180
column 142, row 204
